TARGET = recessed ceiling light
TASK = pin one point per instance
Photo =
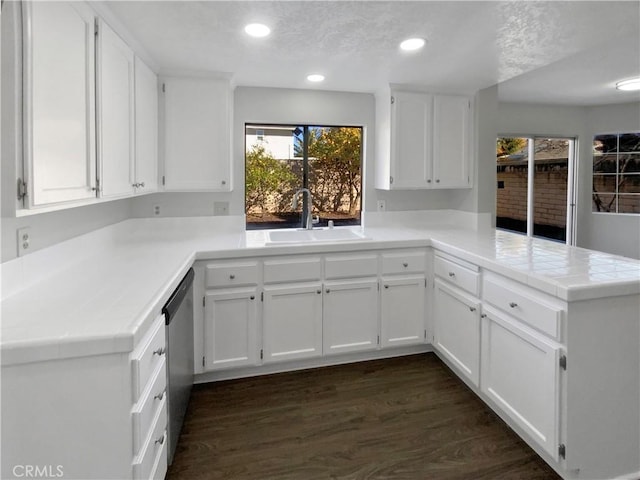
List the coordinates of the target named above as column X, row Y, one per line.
column 315, row 77
column 412, row 44
column 257, row 30
column 629, row 85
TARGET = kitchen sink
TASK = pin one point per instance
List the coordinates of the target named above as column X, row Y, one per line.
column 316, row 235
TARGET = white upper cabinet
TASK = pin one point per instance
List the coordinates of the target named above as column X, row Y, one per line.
column 59, row 103
column 197, row 134
column 115, row 113
column 423, row 141
column 146, row 129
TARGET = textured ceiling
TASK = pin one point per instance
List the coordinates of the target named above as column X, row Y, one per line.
column 533, row 49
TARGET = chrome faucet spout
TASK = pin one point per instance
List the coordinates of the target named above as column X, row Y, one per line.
column 308, row 224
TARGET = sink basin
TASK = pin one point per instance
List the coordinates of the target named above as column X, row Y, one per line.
column 281, row 237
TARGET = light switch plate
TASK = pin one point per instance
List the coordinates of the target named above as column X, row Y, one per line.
column 220, row 208
column 24, row 240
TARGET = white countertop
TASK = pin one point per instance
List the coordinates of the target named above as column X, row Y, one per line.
column 99, row 294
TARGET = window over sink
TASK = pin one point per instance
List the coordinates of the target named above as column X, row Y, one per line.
column 282, row 159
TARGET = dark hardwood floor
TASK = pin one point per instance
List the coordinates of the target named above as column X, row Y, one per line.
column 403, row 418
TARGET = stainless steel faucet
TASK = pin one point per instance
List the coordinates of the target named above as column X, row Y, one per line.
column 309, row 221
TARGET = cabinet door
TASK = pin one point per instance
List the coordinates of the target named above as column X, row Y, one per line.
column 520, row 373
column 350, row 316
column 402, row 304
column 59, row 101
column 146, row 103
column 451, row 141
column 292, row 322
column 230, row 328
column 457, row 329
column 411, row 125
column 197, row 134
column 115, row 113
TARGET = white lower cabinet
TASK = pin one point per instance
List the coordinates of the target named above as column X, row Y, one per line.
column 350, row 316
column 456, row 332
column 521, row 375
column 402, row 310
column 292, row 321
column 231, row 328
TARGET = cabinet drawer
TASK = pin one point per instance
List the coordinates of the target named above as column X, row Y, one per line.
column 154, row 447
column 414, row 261
column 297, row 269
column 525, row 304
column 147, row 356
column 457, row 274
column 232, row 274
column 350, row 266
column 145, row 410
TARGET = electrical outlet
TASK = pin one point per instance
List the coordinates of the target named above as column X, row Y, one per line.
column 382, row 206
column 156, row 210
column 24, row 240
column 220, row 208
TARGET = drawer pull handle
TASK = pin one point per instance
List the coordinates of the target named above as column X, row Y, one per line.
column 386, row 286
column 405, row 264
column 318, row 292
column 452, row 274
column 328, row 290
column 159, row 396
column 513, row 304
column 472, row 309
column 232, row 276
column 160, row 440
column 252, row 297
column 160, row 351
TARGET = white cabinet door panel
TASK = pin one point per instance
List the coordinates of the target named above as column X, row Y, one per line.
column 59, row 101
column 146, row 132
column 115, row 113
column 457, row 329
column 520, row 373
column 230, row 328
column 411, row 125
column 197, row 134
column 451, row 141
column 402, row 304
column 292, row 322
column 350, row 316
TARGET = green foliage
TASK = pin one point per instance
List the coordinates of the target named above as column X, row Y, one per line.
column 507, row 146
column 335, row 168
column 265, row 178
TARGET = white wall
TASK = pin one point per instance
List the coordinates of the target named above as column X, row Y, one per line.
column 601, row 231
column 619, row 234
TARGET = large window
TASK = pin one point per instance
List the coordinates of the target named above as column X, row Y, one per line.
column 616, row 173
column 282, row 159
column 535, row 186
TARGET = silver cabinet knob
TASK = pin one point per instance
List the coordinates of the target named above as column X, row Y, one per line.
column 232, row 276
column 141, row 184
column 437, row 180
column 386, row 286
column 159, row 396
column 405, row 264
column 472, row 309
column 160, row 351
column 429, row 180
column 513, row 304
column 252, row 297
column 224, row 182
column 318, row 292
column 328, row 290
column 484, row 315
column 160, row 440
column 452, row 274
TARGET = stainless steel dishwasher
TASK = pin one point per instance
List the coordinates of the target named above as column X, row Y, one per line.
column 178, row 313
